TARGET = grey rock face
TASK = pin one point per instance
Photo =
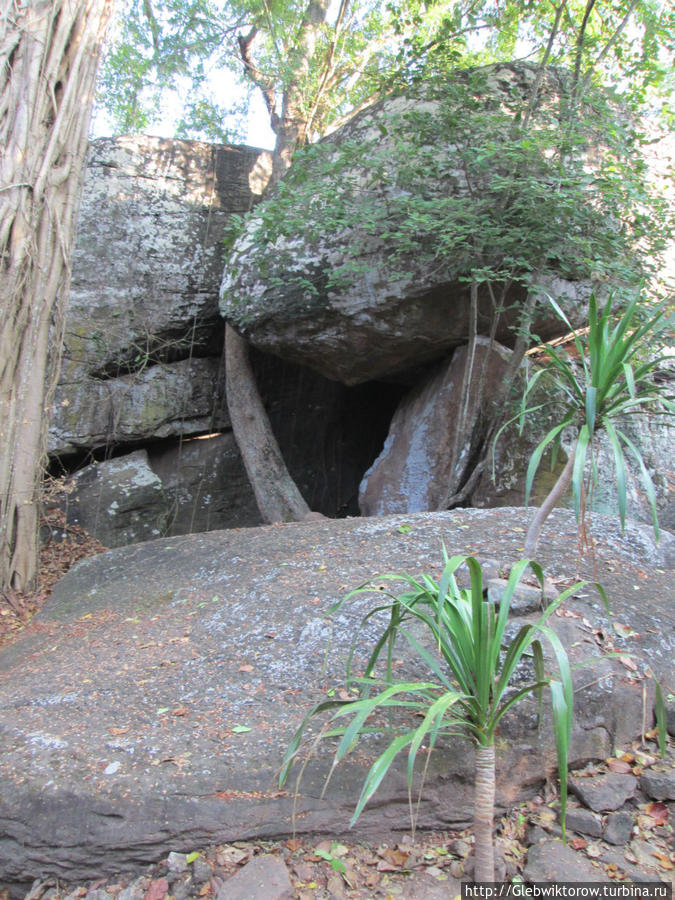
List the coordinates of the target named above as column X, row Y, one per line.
column 205, row 485
column 337, row 296
column 553, row 861
column 120, row 501
column 653, row 434
column 619, row 827
column 198, row 484
column 265, row 877
column 118, row 708
column 160, row 401
column 659, row 782
column 603, row 793
column 146, row 267
column 583, row 821
column 422, row 462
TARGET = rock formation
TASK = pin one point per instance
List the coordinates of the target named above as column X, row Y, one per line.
column 143, row 334
column 334, row 285
column 142, row 366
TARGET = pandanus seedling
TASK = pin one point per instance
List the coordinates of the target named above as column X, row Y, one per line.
column 472, row 665
column 609, row 378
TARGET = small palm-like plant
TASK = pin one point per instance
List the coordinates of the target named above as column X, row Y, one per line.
column 471, row 668
column 610, row 380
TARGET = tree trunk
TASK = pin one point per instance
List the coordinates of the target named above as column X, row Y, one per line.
column 48, row 59
column 276, row 494
column 483, row 814
column 554, row 495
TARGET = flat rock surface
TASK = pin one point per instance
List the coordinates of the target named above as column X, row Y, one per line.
column 603, row 793
column 554, row 862
column 148, row 707
column 264, row 878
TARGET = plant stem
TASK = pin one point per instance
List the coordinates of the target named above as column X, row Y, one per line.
column 483, row 815
column 556, row 492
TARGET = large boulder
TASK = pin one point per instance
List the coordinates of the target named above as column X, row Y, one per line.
column 182, row 487
column 143, row 316
column 428, row 450
column 119, row 501
column 160, row 401
column 148, row 707
column 360, row 265
column 205, row 485
column 653, row 435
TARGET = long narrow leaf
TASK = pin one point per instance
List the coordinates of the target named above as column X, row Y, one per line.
column 562, row 725
column 591, row 397
column 583, row 441
column 647, row 482
column 435, row 714
column 620, row 468
column 661, row 718
column 539, row 450
column 378, row 770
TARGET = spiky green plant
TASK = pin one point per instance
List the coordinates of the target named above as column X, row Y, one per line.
column 472, row 666
column 610, row 380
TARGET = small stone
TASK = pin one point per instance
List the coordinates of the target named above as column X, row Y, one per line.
column 201, row 870
column 177, row 862
column 265, row 877
column 183, row 888
column 460, row 848
column 422, row 886
column 583, row 821
column 604, row 793
column 659, row 784
column 456, row 868
column 535, row 834
column 619, row 827
column 525, row 599
column 135, row 891
column 336, row 887
column 97, row 894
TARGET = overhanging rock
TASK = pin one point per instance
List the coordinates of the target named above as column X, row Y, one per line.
column 345, row 270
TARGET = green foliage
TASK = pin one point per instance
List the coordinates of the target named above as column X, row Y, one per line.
column 365, row 47
column 456, row 182
column 472, row 665
column 188, row 48
column 611, row 377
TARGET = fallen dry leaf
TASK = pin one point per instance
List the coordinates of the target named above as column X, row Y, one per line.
column 397, row 858
column 628, row 663
column 246, row 667
column 179, row 711
column 619, row 766
column 384, row 866
column 658, row 811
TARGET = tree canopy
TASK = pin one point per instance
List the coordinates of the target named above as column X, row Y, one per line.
column 338, row 56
